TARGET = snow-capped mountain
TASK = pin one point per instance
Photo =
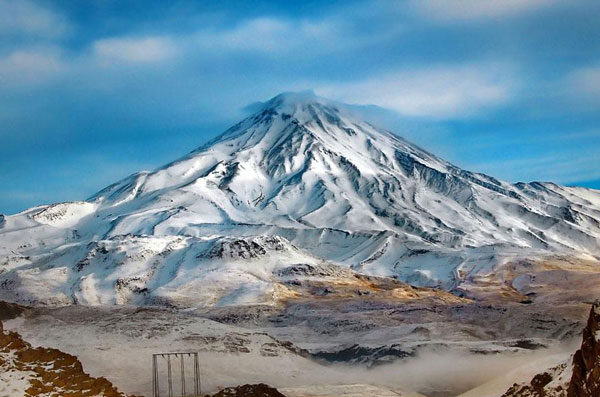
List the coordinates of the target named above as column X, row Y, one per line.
column 327, row 185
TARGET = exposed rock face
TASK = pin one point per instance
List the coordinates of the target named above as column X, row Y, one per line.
column 579, row 378
column 365, row 355
column 41, row 371
column 259, row 390
column 551, row 383
column 10, row 310
column 585, row 381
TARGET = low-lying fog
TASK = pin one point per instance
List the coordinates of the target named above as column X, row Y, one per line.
column 431, row 373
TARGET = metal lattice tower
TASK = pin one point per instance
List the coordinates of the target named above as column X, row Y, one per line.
column 181, row 356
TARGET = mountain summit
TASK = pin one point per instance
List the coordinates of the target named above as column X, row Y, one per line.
column 301, row 161
column 304, row 162
column 328, row 185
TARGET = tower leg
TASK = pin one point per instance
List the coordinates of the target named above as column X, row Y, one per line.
column 153, row 376
column 169, row 377
column 182, row 377
column 196, row 375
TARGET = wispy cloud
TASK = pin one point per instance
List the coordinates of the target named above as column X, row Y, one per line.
column 30, row 67
column 441, row 92
column 24, row 17
column 134, row 50
column 275, row 36
column 586, row 81
column 266, row 34
column 461, row 10
column 262, row 36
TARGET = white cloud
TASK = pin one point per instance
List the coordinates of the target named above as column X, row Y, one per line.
column 24, row 68
column 134, row 50
column 26, row 17
column 262, row 36
column 461, row 10
column 279, row 35
column 586, row 81
column 265, row 34
column 440, row 92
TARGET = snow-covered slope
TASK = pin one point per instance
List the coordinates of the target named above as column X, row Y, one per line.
column 330, row 186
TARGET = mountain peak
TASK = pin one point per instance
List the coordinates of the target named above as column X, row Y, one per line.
column 291, row 102
column 308, row 170
column 304, row 96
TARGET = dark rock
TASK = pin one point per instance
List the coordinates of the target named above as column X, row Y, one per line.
column 259, row 390
column 585, row 381
column 8, row 311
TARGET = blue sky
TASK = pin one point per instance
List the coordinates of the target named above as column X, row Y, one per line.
column 93, row 91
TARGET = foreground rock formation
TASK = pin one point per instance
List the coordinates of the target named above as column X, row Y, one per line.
column 259, row 390
column 579, row 377
column 28, row 371
column 586, row 362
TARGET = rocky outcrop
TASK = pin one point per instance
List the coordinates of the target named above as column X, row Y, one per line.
column 579, row 377
column 46, row 372
column 9, row 311
column 585, row 381
column 259, row 390
column 551, row 383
